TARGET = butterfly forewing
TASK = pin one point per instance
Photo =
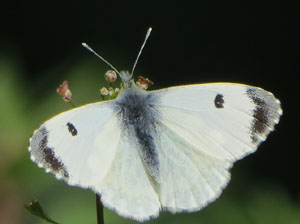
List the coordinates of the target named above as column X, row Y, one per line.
column 76, row 144
column 223, row 120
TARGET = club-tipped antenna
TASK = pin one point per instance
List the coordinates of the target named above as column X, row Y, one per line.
column 137, row 58
column 95, row 53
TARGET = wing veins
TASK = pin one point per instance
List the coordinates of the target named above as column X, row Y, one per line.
column 191, row 146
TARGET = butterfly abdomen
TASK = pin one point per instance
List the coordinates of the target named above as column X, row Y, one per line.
column 138, row 117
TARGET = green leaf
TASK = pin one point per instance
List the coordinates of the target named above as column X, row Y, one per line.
column 35, row 208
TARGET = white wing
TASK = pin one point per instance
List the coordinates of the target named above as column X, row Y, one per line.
column 189, row 178
column 87, row 147
column 203, row 130
column 76, row 145
column 169, row 149
column 127, row 187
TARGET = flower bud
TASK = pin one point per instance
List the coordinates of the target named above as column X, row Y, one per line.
column 143, row 82
column 111, row 92
column 104, row 91
column 64, row 91
column 110, row 76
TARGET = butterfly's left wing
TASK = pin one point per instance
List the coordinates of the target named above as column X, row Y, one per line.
column 76, row 145
column 202, row 130
column 87, row 147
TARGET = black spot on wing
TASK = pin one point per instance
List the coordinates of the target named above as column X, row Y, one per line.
column 219, row 101
column 72, row 129
column 260, row 114
column 44, row 154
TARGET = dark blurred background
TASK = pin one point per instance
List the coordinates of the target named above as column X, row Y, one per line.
column 248, row 42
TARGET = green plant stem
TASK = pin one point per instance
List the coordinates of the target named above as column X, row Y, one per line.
column 99, row 207
column 72, row 105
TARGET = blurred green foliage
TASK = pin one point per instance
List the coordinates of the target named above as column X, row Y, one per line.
column 35, row 208
column 244, row 201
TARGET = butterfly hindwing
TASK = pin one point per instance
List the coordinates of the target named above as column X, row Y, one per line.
column 189, row 178
column 127, row 188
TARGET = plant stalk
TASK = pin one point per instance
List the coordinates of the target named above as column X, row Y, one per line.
column 99, row 207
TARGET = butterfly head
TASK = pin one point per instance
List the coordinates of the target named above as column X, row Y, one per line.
column 126, row 78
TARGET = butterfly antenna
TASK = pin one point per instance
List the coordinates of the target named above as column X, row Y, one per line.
column 95, row 53
column 137, row 58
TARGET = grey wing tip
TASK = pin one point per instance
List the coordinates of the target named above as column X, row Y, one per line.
column 266, row 113
column 43, row 154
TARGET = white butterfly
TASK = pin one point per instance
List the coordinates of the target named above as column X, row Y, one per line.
column 146, row 151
